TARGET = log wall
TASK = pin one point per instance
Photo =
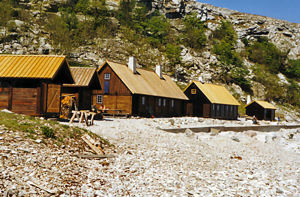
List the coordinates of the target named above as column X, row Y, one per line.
column 4, row 98
column 25, row 100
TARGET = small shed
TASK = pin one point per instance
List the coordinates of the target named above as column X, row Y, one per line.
column 262, row 110
column 31, row 84
column 86, row 80
column 139, row 92
column 211, row 101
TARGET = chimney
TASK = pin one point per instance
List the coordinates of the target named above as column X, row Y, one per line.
column 132, row 64
column 248, row 99
column 158, row 71
column 201, row 79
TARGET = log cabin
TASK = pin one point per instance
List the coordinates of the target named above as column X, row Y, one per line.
column 211, row 101
column 31, row 84
column 138, row 92
column 262, row 110
column 86, row 80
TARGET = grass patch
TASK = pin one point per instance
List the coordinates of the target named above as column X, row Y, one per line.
column 50, row 132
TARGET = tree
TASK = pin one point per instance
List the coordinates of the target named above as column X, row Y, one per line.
column 194, row 32
column 125, row 12
column 6, row 10
column 157, row 29
column 173, row 54
column 59, row 33
column 264, row 52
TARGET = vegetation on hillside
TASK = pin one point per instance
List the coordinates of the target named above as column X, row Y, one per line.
column 269, row 62
column 231, row 63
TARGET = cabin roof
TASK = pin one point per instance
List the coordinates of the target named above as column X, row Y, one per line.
column 83, row 77
column 32, row 66
column 146, row 82
column 216, row 94
column 264, row 104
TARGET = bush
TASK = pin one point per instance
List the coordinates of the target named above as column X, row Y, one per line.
column 293, row 69
column 266, row 53
column 234, row 71
column 173, row 53
column 157, row 29
column 48, row 132
column 226, row 32
column 125, row 12
column 194, row 32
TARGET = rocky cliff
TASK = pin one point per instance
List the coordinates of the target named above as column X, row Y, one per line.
column 28, row 35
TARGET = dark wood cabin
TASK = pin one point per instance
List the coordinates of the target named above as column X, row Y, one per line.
column 31, row 84
column 139, row 92
column 211, row 101
column 262, row 110
column 86, row 80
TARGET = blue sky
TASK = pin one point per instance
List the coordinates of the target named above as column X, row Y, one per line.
column 282, row 9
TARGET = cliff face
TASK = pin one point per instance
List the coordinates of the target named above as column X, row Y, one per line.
column 29, row 36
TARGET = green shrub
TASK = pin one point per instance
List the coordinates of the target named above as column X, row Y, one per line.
column 173, row 53
column 234, row 71
column 264, row 52
column 125, row 12
column 293, row 69
column 194, row 32
column 226, row 32
column 48, row 132
column 157, row 29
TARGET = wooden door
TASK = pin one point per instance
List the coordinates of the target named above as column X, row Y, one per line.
column 206, row 110
column 53, row 98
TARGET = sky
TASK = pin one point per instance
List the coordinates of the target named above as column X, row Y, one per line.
column 281, row 9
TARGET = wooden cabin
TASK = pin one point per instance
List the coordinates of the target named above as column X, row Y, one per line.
column 211, row 101
column 86, row 80
column 138, row 92
column 31, row 84
column 262, row 110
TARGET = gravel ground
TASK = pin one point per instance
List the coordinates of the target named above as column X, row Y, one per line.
column 152, row 162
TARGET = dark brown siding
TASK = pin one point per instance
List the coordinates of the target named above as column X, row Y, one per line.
column 151, row 107
column 259, row 112
column 203, row 108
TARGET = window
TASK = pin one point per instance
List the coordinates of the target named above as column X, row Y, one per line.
column 172, row 103
column 107, row 76
column 143, row 100
column 106, row 87
column 99, row 99
column 193, row 91
column 164, row 102
column 159, row 102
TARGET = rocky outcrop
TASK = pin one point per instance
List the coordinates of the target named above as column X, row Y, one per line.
column 32, row 38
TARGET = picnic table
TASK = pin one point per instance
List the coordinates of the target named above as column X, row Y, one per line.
column 83, row 116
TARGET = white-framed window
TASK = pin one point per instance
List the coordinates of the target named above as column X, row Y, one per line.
column 164, row 102
column 172, row 103
column 107, row 76
column 99, row 99
column 143, row 100
column 159, row 102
